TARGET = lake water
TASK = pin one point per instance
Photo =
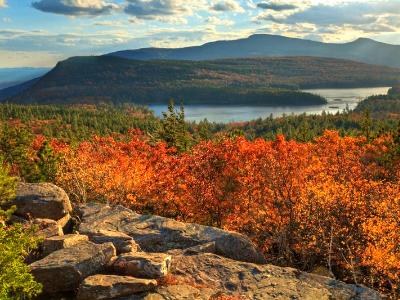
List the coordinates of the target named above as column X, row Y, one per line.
column 338, row 100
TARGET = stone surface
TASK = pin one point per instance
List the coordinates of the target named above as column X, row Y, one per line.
column 99, row 287
column 158, row 234
column 208, row 272
column 143, row 265
column 65, row 222
column 181, row 292
column 41, row 200
column 203, row 248
column 64, row 269
column 61, row 242
column 122, row 242
column 47, row 228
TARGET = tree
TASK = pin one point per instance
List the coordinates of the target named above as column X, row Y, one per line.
column 174, row 129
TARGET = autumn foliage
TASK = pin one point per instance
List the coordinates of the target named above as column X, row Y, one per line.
column 332, row 203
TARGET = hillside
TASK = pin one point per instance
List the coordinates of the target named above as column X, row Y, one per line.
column 362, row 50
column 382, row 106
column 253, row 81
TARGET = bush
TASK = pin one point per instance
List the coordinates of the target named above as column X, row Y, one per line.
column 16, row 242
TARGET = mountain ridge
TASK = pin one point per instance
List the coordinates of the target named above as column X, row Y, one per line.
column 362, row 50
column 256, row 81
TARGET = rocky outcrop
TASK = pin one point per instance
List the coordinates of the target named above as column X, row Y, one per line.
column 42, row 200
column 158, row 234
column 111, row 286
column 189, row 261
column 63, row 270
column 143, row 265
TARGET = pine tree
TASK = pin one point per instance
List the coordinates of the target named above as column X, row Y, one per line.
column 174, row 128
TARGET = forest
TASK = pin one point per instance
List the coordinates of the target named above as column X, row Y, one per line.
column 318, row 193
column 257, row 81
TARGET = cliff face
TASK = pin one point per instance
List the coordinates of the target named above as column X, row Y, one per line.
column 119, row 254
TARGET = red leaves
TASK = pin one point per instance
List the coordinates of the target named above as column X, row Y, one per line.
column 305, row 204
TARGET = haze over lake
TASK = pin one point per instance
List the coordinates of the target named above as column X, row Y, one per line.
column 338, row 100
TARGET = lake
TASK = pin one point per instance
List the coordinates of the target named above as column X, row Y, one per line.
column 338, row 100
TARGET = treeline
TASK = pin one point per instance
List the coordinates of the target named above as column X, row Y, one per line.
column 80, row 122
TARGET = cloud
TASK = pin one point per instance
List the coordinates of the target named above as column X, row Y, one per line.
column 75, row 7
column 227, row 6
column 3, row 3
column 173, row 11
column 212, row 20
column 276, row 6
column 42, row 40
column 333, row 22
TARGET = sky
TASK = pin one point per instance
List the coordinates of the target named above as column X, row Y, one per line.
column 38, row 33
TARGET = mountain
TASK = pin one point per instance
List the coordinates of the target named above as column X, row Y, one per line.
column 362, row 50
column 256, row 81
column 13, row 76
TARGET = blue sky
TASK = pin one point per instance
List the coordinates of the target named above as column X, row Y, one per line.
column 39, row 33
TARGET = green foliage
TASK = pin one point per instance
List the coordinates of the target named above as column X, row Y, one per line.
column 7, row 190
column 16, row 242
column 79, row 122
column 173, row 129
column 47, row 164
column 16, row 148
column 16, row 281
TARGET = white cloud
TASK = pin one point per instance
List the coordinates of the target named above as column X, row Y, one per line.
column 227, row 6
column 75, row 7
column 212, row 20
column 3, row 3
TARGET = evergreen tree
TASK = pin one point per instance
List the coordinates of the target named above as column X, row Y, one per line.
column 174, row 128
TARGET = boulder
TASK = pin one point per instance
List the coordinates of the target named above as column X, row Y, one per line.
column 99, row 287
column 64, row 269
column 122, row 242
column 41, row 200
column 47, row 228
column 143, row 265
column 61, row 242
column 159, row 234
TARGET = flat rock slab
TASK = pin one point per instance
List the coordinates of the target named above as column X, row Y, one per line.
column 63, row 270
column 99, row 287
column 259, row 282
column 122, row 242
column 41, row 200
column 159, row 234
column 143, row 265
column 62, row 242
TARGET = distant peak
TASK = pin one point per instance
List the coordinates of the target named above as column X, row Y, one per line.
column 364, row 40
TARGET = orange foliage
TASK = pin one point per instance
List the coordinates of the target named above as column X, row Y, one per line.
column 333, row 202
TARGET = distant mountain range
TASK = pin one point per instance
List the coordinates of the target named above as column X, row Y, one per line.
column 13, row 76
column 361, row 50
column 255, row 81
